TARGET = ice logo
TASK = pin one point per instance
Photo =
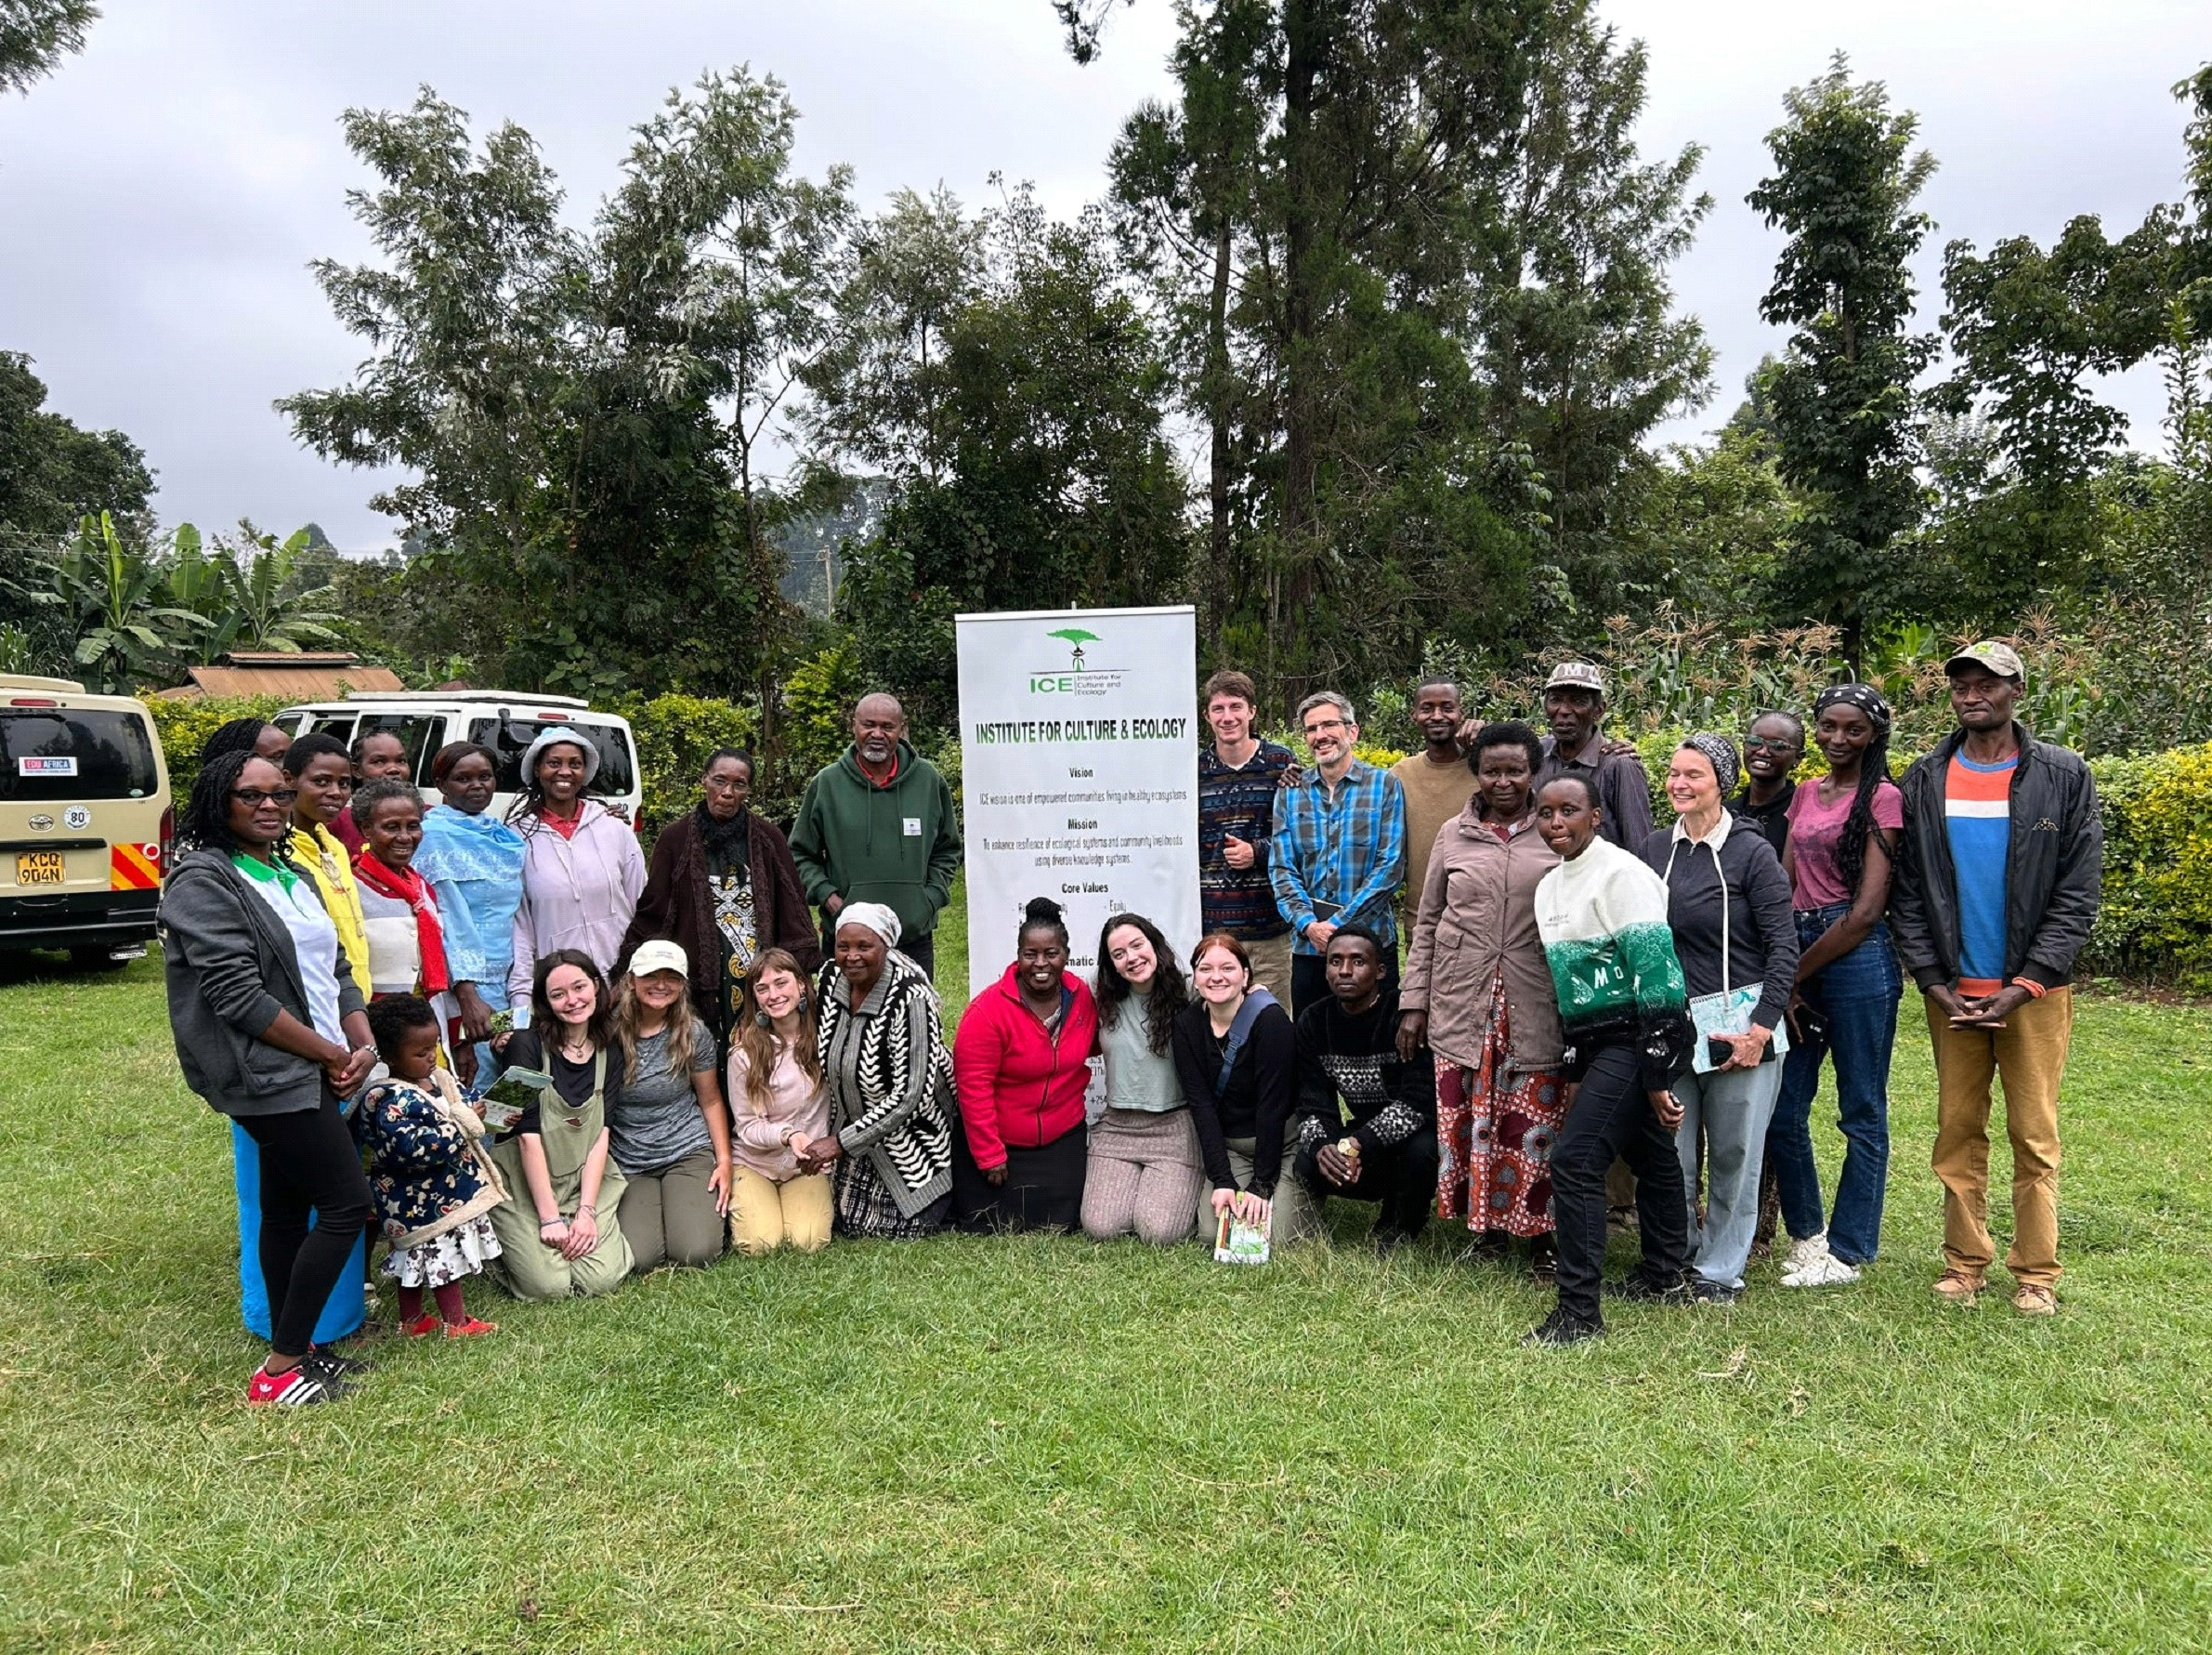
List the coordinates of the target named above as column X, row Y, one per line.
column 1076, row 639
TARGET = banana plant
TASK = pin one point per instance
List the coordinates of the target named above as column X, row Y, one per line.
column 115, row 599
column 243, row 594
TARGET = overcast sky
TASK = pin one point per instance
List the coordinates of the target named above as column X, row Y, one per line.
column 162, row 196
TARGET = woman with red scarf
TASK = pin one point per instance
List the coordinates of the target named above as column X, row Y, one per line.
column 407, row 953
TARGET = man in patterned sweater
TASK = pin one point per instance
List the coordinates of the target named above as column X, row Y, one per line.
column 1348, row 1063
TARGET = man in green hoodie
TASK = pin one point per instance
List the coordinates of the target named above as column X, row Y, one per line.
column 877, row 826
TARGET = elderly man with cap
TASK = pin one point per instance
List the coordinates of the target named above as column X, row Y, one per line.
column 1575, row 711
column 1998, row 877
column 581, row 869
column 889, row 1077
column 878, row 826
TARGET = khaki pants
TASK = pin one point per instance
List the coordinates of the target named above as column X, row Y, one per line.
column 2029, row 1056
column 529, row 1269
column 1271, row 970
column 669, row 1216
column 1292, row 1216
column 764, row 1214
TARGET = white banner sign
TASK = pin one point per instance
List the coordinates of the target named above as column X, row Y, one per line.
column 1078, row 775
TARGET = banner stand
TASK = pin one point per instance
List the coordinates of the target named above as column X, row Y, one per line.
column 1078, row 775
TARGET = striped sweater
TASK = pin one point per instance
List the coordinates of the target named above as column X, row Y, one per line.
column 1604, row 920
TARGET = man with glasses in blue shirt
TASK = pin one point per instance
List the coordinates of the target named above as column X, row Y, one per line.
column 1339, row 848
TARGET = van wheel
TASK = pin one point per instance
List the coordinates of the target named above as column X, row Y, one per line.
column 95, row 959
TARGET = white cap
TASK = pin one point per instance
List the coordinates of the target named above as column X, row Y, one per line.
column 659, row 954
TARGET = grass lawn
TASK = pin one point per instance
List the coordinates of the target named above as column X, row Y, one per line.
column 1031, row 1444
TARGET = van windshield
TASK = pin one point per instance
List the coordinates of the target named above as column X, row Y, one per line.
column 57, row 753
column 511, row 738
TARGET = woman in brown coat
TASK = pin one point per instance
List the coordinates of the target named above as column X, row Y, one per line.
column 722, row 886
column 1478, row 990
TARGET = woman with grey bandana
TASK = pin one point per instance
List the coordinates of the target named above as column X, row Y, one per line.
column 1728, row 905
column 1843, row 832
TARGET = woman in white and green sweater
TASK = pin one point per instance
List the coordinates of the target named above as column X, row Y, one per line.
column 1603, row 916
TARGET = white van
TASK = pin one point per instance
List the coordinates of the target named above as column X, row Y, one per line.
column 85, row 821
column 503, row 720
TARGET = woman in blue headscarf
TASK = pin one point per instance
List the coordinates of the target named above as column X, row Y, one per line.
column 473, row 862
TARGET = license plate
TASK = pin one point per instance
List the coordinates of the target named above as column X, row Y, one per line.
column 38, row 867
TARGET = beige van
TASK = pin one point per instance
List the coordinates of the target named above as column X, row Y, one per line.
column 85, row 821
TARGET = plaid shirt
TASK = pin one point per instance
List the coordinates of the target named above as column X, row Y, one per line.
column 1349, row 850
column 1239, row 802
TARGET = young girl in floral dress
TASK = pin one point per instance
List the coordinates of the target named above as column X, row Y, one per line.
column 433, row 1182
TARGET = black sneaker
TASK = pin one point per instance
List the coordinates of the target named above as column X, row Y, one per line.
column 1562, row 1328
column 1638, row 1288
column 1712, row 1293
column 323, row 1360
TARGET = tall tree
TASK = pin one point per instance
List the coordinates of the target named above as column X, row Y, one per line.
column 53, row 473
column 584, row 410
column 2027, row 327
column 1354, row 152
column 1844, row 184
column 1184, row 177
column 881, row 386
column 1034, row 472
column 1584, row 351
column 36, row 34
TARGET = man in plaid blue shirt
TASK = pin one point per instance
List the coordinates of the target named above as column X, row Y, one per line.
column 1339, row 848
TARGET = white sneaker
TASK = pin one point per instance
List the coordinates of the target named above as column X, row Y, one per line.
column 1808, row 1251
column 1827, row 1271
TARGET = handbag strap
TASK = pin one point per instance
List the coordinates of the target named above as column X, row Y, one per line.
column 1720, row 873
column 1240, row 1031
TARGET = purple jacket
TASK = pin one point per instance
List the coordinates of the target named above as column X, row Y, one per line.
column 576, row 893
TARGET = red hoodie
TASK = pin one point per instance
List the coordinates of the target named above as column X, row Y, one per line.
column 1017, row 1084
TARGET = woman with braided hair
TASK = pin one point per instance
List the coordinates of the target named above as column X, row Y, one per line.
column 1843, row 833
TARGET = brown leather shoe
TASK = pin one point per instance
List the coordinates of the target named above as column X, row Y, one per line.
column 2035, row 1301
column 1956, row 1287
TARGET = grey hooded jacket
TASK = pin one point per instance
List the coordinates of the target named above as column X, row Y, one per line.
column 231, row 969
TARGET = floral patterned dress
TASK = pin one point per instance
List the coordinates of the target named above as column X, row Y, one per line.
column 432, row 1182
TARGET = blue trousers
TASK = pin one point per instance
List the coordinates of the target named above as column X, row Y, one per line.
column 1856, row 997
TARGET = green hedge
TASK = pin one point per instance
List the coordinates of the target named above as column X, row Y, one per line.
column 674, row 734
column 184, row 726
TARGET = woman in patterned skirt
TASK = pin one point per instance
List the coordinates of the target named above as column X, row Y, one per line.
column 1478, row 990
column 889, row 1076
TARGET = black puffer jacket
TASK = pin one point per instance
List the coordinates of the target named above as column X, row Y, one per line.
column 2054, row 875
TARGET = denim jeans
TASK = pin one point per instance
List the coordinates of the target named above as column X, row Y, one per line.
column 1857, row 995
column 1734, row 1110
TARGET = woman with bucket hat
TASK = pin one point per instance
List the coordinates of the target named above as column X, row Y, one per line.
column 581, row 869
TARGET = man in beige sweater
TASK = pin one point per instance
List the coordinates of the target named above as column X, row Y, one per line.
column 1436, row 780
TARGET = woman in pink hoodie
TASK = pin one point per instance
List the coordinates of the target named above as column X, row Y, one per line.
column 1021, row 1065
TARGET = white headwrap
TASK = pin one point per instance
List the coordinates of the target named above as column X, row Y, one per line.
column 874, row 916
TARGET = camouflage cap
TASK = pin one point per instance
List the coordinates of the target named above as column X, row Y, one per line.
column 2000, row 659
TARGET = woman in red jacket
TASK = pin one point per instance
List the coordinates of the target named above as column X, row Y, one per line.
column 1020, row 1065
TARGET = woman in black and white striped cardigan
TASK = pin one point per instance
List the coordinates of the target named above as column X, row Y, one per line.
column 889, row 1076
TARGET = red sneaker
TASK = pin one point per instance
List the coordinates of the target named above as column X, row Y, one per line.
column 421, row 1327
column 471, row 1328
column 295, row 1387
